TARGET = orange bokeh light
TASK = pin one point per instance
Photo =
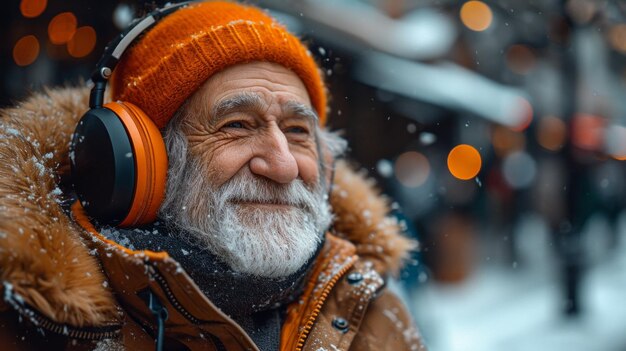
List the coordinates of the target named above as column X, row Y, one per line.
column 464, row 162
column 412, row 169
column 32, row 8
column 617, row 37
column 476, row 15
column 588, row 131
column 520, row 58
column 506, row 141
column 26, row 50
column 83, row 42
column 551, row 133
column 62, row 28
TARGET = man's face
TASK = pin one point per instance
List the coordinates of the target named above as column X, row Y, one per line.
column 255, row 117
column 244, row 177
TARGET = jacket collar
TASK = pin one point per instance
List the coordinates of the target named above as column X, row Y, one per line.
column 157, row 272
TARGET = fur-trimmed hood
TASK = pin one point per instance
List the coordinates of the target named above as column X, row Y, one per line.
column 44, row 261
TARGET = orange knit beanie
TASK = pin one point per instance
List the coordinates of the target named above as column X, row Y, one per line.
column 174, row 58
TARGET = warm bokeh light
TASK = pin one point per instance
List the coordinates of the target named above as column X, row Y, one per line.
column 588, row 131
column 551, row 133
column 520, row 58
column 617, row 37
column 464, row 162
column 476, row 15
column 62, row 27
column 412, row 169
column 525, row 115
column 26, row 50
column 32, row 8
column 581, row 11
column 83, row 42
column 506, row 141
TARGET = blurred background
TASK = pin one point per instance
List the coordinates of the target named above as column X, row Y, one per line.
column 498, row 128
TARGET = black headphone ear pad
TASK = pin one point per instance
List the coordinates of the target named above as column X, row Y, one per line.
column 103, row 166
column 119, row 165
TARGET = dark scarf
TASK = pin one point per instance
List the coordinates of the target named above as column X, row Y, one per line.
column 257, row 304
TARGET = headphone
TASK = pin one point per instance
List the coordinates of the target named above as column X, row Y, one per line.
column 117, row 154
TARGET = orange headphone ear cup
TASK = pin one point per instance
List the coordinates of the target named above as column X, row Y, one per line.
column 150, row 163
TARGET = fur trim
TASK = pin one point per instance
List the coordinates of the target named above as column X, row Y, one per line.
column 41, row 254
column 361, row 216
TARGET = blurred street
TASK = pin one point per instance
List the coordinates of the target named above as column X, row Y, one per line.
column 516, row 308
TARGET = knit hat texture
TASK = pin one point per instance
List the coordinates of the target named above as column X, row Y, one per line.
column 175, row 57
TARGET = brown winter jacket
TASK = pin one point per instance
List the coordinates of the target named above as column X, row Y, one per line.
column 65, row 286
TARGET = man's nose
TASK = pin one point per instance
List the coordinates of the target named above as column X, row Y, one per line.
column 273, row 159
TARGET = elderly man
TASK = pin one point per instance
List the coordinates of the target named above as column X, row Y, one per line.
column 252, row 248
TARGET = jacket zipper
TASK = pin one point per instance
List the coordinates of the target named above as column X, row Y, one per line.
column 320, row 302
column 159, row 310
column 171, row 298
column 72, row 332
column 43, row 322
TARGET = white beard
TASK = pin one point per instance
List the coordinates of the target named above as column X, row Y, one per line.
column 266, row 241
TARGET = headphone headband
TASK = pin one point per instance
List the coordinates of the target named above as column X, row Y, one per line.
column 116, row 48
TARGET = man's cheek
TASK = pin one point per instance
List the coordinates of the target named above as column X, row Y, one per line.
column 308, row 168
column 224, row 165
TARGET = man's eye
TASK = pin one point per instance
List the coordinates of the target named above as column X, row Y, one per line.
column 234, row 125
column 297, row 130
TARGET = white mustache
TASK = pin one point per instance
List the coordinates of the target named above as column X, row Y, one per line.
column 247, row 188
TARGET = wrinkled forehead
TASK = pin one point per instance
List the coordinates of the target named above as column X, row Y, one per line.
column 251, row 101
column 254, row 86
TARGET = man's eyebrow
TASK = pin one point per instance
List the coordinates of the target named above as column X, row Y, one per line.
column 239, row 102
column 294, row 108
